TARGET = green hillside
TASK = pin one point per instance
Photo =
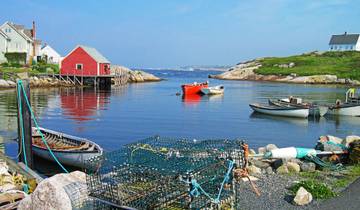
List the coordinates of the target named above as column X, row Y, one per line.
column 342, row 64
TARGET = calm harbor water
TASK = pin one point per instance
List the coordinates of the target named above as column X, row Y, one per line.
column 136, row 111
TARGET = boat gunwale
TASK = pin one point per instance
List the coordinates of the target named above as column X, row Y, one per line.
column 74, row 138
column 278, row 108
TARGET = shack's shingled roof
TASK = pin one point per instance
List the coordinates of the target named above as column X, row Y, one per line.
column 94, row 54
column 344, row 39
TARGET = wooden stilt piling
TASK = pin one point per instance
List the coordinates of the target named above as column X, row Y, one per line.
column 25, row 123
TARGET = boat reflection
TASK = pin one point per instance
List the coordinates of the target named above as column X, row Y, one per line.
column 191, row 99
column 81, row 104
column 342, row 119
column 296, row 121
column 194, row 99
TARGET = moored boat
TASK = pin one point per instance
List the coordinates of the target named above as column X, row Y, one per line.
column 194, row 88
column 314, row 110
column 281, row 111
column 69, row 150
column 213, row 90
column 347, row 109
column 351, row 106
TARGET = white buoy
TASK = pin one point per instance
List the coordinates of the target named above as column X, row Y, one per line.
column 288, row 152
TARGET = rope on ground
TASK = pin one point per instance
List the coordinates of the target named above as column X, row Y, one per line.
column 21, row 87
column 318, row 161
column 196, row 189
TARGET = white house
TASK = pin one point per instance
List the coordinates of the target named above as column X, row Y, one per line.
column 19, row 39
column 345, row 42
column 3, row 46
column 50, row 54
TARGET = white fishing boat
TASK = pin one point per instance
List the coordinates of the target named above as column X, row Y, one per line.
column 314, row 110
column 69, row 150
column 213, row 90
column 351, row 106
column 345, row 109
column 281, row 111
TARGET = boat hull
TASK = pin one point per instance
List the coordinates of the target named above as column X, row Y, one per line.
column 190, row 89
column 67, row 158
column 314, row 110
column 348, row 110
column 72, row 156
column 217, row 90
column 281, row 111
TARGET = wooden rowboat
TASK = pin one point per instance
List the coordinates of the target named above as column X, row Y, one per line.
column 281, row 111
column 314, row 110
column 69, row 150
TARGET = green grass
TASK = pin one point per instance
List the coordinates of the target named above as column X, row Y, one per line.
column 352, row 174
column 342, row 64
column 317, row 189
column 33, row 70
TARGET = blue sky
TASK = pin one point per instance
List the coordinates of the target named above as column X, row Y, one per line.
column 170, row 33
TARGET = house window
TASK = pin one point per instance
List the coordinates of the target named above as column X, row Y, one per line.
column 106, row 67
column 79, row 66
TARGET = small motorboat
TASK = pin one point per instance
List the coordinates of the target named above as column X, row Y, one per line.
column 348, row 109
column 213, row 90
column 69, row 150
column 351, row 106
column 194, row 88
column 281, row 111
column 314, row 110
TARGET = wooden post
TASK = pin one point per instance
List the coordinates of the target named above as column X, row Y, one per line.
column 26, row 124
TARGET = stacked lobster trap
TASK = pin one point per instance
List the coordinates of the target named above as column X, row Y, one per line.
column 166, row 173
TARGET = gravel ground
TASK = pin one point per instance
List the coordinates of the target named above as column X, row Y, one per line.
column 274, row 194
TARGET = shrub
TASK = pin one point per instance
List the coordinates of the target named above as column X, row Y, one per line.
column 15, row 58
column 317, row 189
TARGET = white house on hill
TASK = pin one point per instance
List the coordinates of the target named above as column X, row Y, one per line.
column 50, row 54
column 16, row 38
column 345, row 42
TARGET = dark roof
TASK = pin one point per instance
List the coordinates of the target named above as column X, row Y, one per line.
column 344, row 39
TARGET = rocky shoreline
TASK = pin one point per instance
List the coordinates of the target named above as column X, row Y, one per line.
column 129, row 76
column 247, row 71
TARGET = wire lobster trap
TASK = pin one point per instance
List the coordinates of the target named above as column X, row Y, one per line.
column 167, row 173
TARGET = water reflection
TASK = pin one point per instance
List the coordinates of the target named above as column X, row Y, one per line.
column 292, row 120
column 191, row 99
column 83, row 104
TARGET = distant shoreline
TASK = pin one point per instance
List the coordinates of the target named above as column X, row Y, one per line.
column 340, row 68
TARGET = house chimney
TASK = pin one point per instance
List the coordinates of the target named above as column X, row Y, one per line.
column 34, row 43
column 33, row 31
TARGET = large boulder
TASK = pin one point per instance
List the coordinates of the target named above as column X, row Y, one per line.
column 293, row 167
column 349, row 139
column 262, row 150
column 302, row 197
column 253, row 170
column 11, row 83
column 57, row 192
column 307, row 167
column 282, row 170
column 4, row 84
column 259, row 163
column 271, row 147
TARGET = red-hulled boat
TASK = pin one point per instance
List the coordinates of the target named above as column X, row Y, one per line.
column 194, row 88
